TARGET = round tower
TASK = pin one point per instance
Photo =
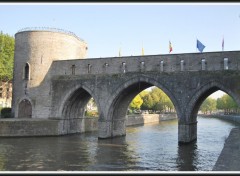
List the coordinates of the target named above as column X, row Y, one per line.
column 35, row 50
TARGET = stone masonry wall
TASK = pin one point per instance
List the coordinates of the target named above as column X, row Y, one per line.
column 38, row 49
column 171, row 63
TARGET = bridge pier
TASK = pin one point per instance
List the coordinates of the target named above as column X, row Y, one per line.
column 104, row 129
column 110, row 129
column 187, row 132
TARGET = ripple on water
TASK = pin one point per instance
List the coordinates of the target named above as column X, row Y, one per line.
column 152, row 147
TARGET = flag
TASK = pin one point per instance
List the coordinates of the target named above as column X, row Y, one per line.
column 223, row 44
column 170, row 47
column 200, row 46
column 142, row 51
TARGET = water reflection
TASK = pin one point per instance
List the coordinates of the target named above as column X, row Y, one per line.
column 112, row 155
column 152, row 147
column 187, row 157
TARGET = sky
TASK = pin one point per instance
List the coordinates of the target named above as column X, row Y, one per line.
column 109, row 27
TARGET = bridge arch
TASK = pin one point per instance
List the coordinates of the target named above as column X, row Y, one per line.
column 74, row 102
column 201, row 94
column 124, row 94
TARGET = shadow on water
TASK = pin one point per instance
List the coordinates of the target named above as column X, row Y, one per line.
column 112, row 155
column 152, row 147
column 187, row 157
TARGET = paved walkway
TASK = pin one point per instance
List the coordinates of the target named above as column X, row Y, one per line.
column 229, row 159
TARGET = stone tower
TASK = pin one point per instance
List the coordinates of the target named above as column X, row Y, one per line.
column 35, row 50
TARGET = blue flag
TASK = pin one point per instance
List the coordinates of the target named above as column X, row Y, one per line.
column 200, row 46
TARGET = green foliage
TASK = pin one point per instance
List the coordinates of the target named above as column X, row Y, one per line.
column 130, row 111
column 136, row 103
column 6, row 113
column 147, row 102
column 143, row 93
column 209, row 105
column 158, row 107
column 227, row 104
column 91, row 113
column 154, row 100
column 6, row 56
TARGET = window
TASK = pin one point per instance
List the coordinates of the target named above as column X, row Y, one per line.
column 124, row 67
column 142, row 65
column 89, row 68
column 73, row 69
column 26, row 75
column 182, row 65
column 106, row 66
column 161, row 66
column 203, row 64
column 225, row 63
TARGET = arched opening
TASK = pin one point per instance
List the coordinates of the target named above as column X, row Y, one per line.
column 80, row 112
column 214, row 100
column 149, row 106
column 25, row 109
column 151, row 101
column 215, row 111
column 219, row 103
column 200, row 100
column 120, row 106
column 26, row 72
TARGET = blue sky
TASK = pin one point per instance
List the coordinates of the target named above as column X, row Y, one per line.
column 107, row 27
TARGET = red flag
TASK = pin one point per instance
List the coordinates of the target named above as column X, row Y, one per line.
column 170, row 47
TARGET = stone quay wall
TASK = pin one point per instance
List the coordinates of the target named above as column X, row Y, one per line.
column 139, row 119
column 232, row 118
column 13, row 127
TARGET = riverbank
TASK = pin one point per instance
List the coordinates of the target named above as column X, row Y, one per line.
column 229, row 158
column 16, row 127
column 140, row 119
column 232, row 118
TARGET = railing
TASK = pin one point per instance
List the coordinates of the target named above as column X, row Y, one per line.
column 50, row 29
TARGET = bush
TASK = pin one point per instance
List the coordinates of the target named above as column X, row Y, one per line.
column 91, row 113
column 6, row 112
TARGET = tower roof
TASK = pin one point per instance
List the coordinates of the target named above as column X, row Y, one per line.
column 49, row 29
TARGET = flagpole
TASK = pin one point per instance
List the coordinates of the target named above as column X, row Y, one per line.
column 119, row 54
column 223, row 43
column 196, row 45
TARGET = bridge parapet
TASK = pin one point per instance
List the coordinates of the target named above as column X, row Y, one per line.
column 211, row 61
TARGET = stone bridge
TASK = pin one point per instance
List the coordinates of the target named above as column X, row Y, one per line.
column 113, row 82
column 50, row 84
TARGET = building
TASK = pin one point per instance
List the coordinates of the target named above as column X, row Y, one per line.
column 5, row 94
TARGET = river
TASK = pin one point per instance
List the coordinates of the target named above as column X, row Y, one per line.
column 151, row 147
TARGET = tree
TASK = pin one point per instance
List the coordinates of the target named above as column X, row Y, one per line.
column 155, row 100
column 227, row 104
column 6, row 56
column 136, row 103
column 158, row 107
column 159, row 97
column 143, row 93
column 208, row 105
column 147, row 102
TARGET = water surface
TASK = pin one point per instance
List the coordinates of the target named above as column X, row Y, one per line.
column 152, row 147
